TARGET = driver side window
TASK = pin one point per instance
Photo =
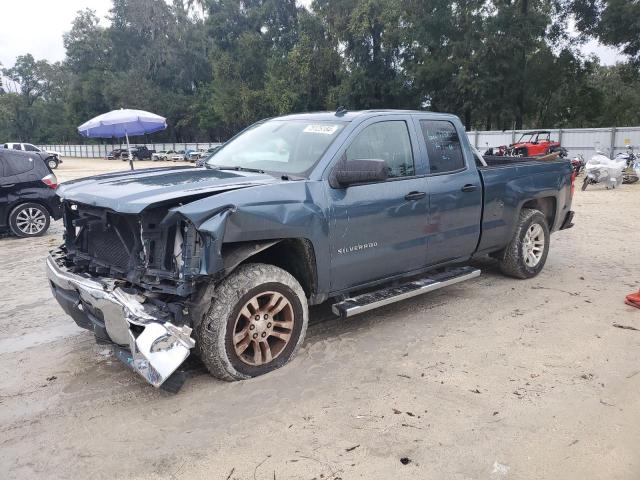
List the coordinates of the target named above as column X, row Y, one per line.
column 388, row 141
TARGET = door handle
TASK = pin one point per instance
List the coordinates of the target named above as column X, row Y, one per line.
column 469, row 187
column 415, row 195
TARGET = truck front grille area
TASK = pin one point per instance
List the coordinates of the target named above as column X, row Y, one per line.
column 100, row 241
column 112, row 246
column 138, row 249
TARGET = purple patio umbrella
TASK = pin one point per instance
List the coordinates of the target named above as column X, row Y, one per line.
column 122, row 123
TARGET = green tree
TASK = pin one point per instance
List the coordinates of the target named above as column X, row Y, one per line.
column 368, row 36
column 613, row 22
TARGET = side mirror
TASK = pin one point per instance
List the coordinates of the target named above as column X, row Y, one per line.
column 349, row 172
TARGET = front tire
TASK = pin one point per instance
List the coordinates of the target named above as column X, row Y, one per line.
column 257, row 322
column 53, row 163
column 29, row 220
column 527, row 252
column 585, row 183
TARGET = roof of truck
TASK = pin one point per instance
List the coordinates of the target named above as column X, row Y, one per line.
column 348, row 115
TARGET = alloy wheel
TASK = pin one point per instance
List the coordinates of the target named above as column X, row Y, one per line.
column 31, row 220
column 533, row 245
column 263, row 328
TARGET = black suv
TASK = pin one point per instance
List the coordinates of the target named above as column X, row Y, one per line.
column 141, row 153
column 28, row 198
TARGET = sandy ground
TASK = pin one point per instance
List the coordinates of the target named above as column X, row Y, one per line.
column 493, row 378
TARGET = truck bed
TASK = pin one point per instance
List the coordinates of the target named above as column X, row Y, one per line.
column 495, row 160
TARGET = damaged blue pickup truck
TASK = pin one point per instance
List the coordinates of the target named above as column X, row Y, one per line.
column 364, row 208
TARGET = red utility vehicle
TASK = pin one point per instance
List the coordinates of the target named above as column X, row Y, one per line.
column 535, row 143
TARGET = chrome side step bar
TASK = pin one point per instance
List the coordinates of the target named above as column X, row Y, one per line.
column 369, row 301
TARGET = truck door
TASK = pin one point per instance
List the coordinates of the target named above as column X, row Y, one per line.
column 378, row 229
column 455, row 191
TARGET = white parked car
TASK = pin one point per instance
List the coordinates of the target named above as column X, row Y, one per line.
column 179, row 156
column 53, row 161
column 196, row 154
column 161, row 155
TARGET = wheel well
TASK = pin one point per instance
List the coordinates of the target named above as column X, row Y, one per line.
column 547, row 205
column 296, row 256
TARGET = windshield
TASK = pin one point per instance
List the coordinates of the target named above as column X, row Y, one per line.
column 534, row 137
column 287, row 146
column 526, row 138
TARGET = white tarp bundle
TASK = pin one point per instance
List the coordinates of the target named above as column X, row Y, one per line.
column 603, row 169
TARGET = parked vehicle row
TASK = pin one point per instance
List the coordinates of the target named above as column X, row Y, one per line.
column 187, row 155
column 138, row 153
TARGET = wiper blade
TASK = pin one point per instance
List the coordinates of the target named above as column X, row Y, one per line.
column 240, row 169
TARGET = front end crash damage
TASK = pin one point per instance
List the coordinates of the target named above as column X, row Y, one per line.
column 125, row 317
column 138, row 281
column 143, row 280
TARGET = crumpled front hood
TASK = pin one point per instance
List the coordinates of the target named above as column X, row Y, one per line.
column 132, row 192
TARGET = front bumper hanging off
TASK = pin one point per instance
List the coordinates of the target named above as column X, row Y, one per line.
column 115, row 314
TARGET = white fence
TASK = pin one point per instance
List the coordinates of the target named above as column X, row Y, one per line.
column 575, row 140
column 101, row 151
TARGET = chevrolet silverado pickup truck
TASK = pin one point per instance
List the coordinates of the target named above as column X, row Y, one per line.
column 363, row 208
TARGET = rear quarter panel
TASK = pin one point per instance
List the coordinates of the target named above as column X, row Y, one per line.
column 508, row 187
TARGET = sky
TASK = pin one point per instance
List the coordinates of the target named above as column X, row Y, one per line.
column 36, row 26
column 47, row 20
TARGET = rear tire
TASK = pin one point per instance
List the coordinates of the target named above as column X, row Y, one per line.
column 252, row 312
column 29, row 220
column 527, row 252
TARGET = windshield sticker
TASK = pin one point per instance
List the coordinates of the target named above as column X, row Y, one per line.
column 323, row 129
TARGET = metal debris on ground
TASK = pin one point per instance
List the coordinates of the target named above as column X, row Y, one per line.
column 625, row 327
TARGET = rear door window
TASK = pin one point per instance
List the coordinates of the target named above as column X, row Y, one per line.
column 16, row 164
column 17, row 146
column 443, row 146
